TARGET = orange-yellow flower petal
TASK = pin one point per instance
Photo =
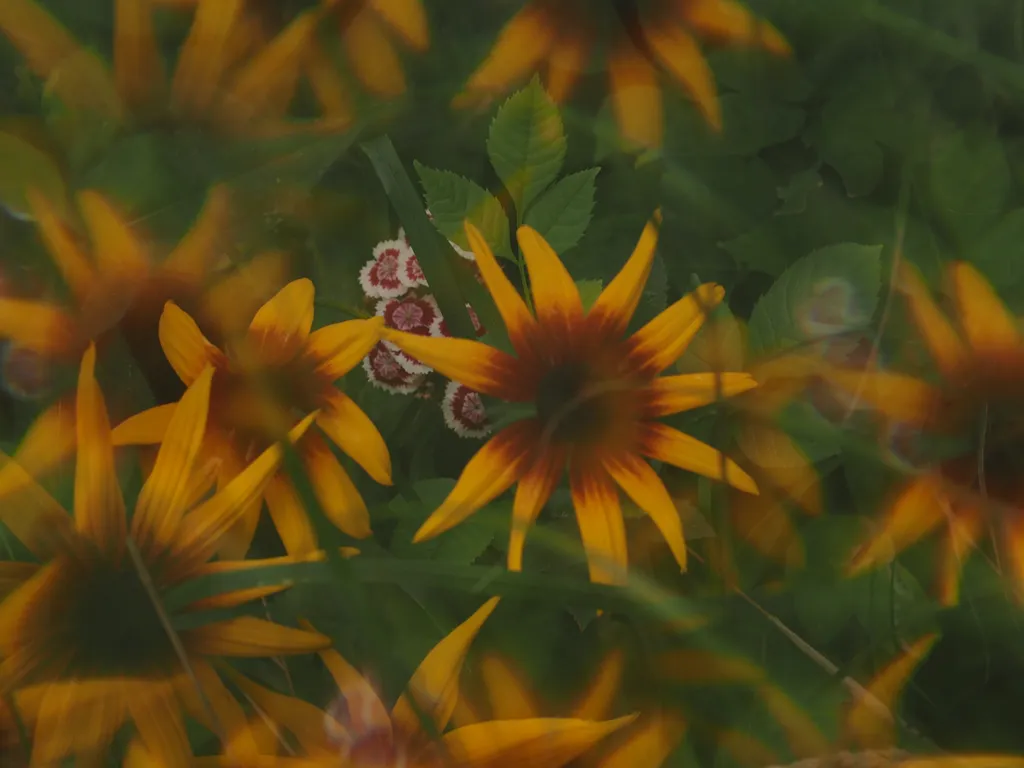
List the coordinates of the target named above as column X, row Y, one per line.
column 648, row 744
column 567, row 61
column 434, row 687
column 635, row 96
column 195, row 254
column 729, row 21
column 965, row 529
column 478, row 366
column 681, row 56
column 407, row 18
column 945, row 345
column 520, row 47
column 671, row 446
column 602, row 527
column 247, row 636
column 145, row 428
column 289, row 516
column 337, row 494
column 99, row 507
column 138, row 70
column 660, row 343
column 901, row 397
column 153, row 705
column 614, row 308
column 496, row 466
column 917, row 510
column 282, row 325
column 535, row 488
column 38, row 326
column 672, row 394
column 352, row 430
column 521, row 326
column 556, row 300
column 372, row 56
column 74, row 267
column 641, row 483
column 188, row 351
column 202, row 58
column 166, row 492
column 118, row 251
column 338, row 348
column 986, row 323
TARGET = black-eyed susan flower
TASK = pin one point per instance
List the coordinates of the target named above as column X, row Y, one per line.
column 116, row 281
column 86, row 646
column 598, row 398
column 560, row 35
column 265, row 381
column 979, row 357
column 358, row 730
column 230, row 73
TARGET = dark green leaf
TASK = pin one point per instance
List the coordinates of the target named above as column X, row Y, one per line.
column 526, row 144
column 452, row 199
column 561, row 214
column 26, row 166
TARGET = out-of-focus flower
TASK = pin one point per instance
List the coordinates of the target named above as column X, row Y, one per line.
column 230, row 73
column 119, row 283
column 365, row 37
column 382, row 276
column 358, row 729
column 561, row 34
column 385, row 372
column 83, row 641
column 979, row 354
column 598, row 398
column 265, row 381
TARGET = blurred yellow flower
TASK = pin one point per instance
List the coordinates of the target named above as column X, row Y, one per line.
column 266, row 380
column 372, row 57
column 561, row 35
column 359, row 730
column 230, row 73
column 979, row 355
column 118, row 284
column 598, row 399
column 85, row 645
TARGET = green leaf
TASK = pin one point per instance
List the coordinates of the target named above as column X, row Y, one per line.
column 434, row 255
column 26, row 166
column 526, row 144
column 452, row 199
column 589, row 291
column 561, row 214
column 999, row 254
column 858, row 162
column 462, row 544
column 969, row 180
column 832, row 290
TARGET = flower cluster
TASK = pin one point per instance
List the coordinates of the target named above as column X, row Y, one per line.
column 396, row 288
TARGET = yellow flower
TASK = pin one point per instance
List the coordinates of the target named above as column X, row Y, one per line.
column 598, row 398
column 560, row 34
column 84, row 640
column 120, row 285
column 368, row 48
column 980, row 359
column 657, row 731
column 360, row 732
column 265, row 380
column 229, row 73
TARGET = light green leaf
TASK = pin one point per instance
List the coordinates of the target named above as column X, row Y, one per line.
column 26, row 166
column 526, row 144
column 999, row 255
column 452, row 199
column 561, row 214
column 832, row 290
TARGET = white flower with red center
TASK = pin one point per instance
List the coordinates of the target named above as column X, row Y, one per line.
column 412, row 314
column 464, row 411
column 440, row 326
column 384, row 372
column 380, row 278
column 410, row 272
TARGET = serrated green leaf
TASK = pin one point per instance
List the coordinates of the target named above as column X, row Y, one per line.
column 561, row 214
column 835, row 287
column 452, row 199
column 526, row 144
